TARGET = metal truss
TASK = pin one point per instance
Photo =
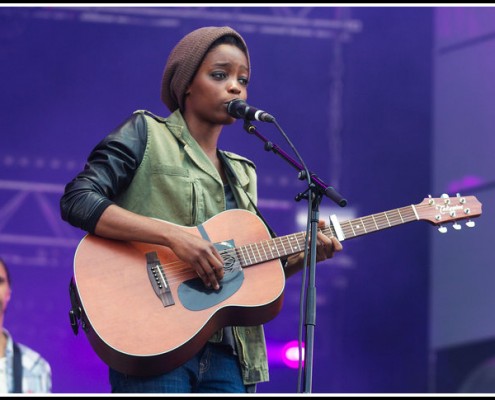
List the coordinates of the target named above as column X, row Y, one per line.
column 51, row 248
column 56, row 232
column 310, row 22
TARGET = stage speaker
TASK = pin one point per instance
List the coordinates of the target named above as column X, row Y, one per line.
column 466, row 368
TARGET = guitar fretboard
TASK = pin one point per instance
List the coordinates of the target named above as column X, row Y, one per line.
column 283, row 246
column 375, row 222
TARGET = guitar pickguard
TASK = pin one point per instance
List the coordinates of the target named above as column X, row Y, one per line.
column 195, row 296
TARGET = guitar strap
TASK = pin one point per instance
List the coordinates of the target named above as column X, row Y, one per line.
column 17, row 369
column 203, row 232
column 231, row 173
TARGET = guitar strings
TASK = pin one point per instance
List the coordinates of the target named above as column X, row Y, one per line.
column 255, row 253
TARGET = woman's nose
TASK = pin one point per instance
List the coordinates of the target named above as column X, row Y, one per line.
column 234, row 86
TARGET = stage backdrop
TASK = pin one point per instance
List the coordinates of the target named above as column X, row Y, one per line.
column 462, row 273
column 351, row 87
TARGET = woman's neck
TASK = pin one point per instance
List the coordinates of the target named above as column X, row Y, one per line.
column 206, row 135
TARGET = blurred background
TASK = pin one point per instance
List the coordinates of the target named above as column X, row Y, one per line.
column 386, row 104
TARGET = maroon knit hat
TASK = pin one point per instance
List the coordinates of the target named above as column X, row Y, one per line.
column 184, row 61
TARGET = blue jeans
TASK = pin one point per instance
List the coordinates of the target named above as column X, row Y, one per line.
column 214, row 369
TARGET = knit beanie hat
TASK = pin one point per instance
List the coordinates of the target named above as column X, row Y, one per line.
column 185, row 59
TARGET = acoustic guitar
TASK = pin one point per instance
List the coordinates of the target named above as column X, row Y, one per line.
column 145, row 312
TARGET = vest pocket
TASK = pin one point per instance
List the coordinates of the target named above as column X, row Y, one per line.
column 198, row 203
column 174, row 194
column 171, row 170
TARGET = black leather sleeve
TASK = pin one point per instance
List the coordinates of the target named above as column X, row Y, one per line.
column 109, row 169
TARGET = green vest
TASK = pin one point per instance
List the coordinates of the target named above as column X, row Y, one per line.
column 177, row 182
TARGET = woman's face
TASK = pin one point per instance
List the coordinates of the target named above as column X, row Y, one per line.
column 4, row 289
column 222, row 76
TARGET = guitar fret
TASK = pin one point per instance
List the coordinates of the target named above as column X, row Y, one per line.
column 292, row 242
column 374, row 220
column 253, row 253
column 290, row 249
column 270, row 248
column 249, row 254
column 393, row 217
column 372, row 226
column 293, row 238
column 284, row 247
column 388, row 221
column 299, row 238
column 406, row 214
column 257, row 249
column 357, row 228
column 264, row 250
column 273, row 248
column 353, row 231
column 363, row 222
column 347, row 228
column 328, row 231
column 246, row 253
column 276, row 246
column 282, row 244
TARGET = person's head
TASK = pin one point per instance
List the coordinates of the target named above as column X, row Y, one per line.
column 5, row 290
column 191, row 54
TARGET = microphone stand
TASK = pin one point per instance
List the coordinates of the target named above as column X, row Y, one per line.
column 315, row 192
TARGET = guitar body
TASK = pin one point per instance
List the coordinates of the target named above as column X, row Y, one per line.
column 129, row 326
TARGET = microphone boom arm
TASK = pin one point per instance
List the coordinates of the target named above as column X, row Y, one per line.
column 327, row 190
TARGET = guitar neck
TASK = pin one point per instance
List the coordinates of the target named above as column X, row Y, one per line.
column 437, row 211
column 284, row 246
column 371, row 223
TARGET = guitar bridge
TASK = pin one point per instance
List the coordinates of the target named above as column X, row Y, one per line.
column 158, row 279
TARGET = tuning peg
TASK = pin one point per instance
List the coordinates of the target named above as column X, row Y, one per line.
column 446, row 198
column 462, row 200
column 442, row 229
column 470, row 224
column 456, row 226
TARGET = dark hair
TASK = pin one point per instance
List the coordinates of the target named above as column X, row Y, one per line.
column 228, row 39
column 6, row 270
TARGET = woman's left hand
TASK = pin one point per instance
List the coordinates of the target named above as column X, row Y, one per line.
column 326, row 247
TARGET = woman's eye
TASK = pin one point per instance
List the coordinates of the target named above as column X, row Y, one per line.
column 244, row 81
column 218, row 75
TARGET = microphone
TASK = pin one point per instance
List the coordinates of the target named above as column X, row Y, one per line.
column 238, row 108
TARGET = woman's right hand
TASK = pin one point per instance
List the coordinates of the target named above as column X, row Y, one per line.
column 201, row 255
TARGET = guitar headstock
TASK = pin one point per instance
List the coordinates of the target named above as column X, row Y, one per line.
column 441, row 210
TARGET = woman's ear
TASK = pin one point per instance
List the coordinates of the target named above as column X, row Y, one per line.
column 5, row 301
column 8, row 295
